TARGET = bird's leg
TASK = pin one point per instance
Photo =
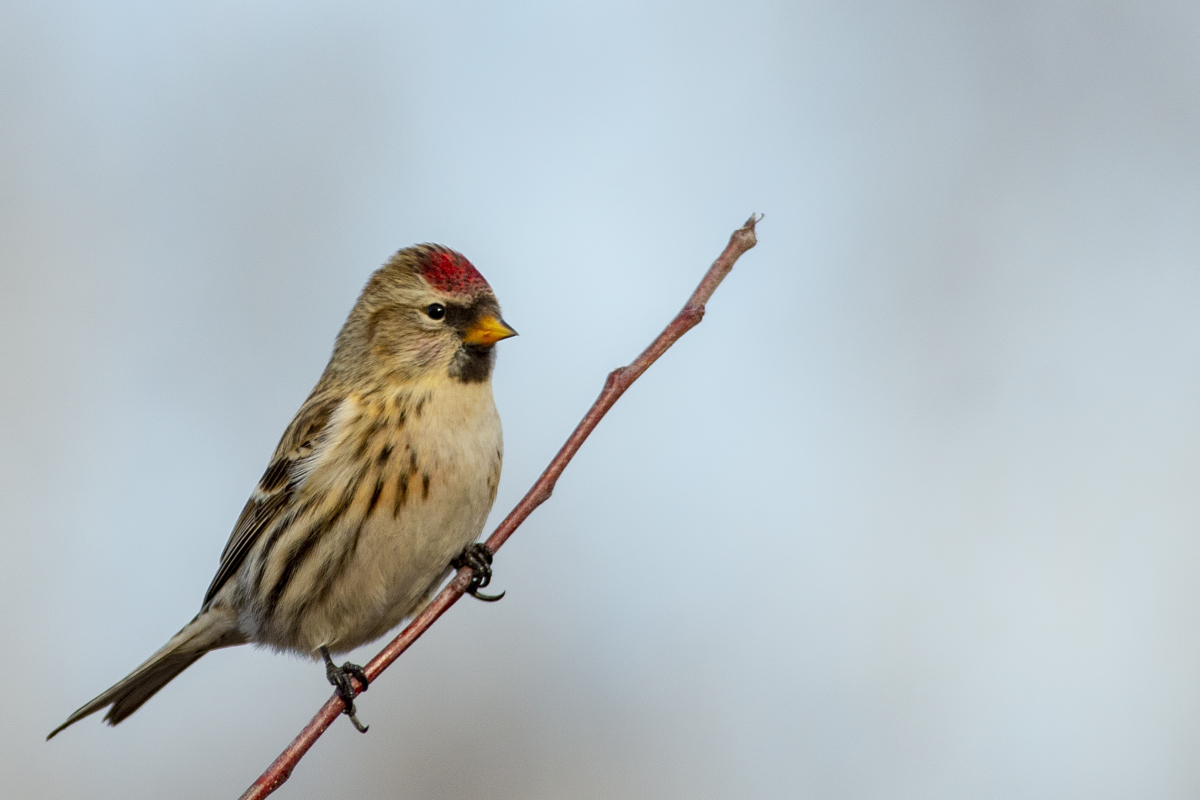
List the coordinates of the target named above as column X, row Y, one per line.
column 478, row 557
column 340, row 678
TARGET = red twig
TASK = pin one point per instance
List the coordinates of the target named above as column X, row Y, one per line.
column 618, row 381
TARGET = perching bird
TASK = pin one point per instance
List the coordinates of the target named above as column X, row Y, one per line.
column 380, row 484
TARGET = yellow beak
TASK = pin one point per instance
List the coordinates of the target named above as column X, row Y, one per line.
column 487, row 330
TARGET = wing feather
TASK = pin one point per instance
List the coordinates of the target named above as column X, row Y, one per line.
column 277, row 486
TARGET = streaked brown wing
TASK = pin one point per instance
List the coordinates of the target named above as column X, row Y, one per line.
column 276, row 487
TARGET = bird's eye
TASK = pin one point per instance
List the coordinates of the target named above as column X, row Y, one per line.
column 435, row 310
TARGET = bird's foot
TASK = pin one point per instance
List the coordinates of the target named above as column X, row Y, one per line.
column 340, row 678
column 478, row 557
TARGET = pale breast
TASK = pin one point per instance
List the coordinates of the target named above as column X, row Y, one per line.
column 404, row 481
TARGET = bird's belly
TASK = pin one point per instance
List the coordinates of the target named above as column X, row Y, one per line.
column 406, row 504
column 398, row 562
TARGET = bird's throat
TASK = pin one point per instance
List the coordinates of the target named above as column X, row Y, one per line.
column 473, row 363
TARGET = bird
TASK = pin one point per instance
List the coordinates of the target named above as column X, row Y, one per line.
column 377, row 490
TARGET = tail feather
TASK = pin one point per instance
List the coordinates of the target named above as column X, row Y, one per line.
column 210, row 630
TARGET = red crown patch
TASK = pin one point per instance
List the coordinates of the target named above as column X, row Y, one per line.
column 450, row 272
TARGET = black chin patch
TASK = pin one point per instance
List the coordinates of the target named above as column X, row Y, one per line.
column 473, row 363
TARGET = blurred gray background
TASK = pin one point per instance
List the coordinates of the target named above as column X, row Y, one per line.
column 913, row 514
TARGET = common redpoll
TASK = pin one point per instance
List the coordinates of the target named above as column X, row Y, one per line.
column 382, row 481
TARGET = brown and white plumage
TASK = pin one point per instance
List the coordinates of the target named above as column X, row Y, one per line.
column 387, row 472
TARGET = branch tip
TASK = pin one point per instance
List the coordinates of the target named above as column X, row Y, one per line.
column 748, row 230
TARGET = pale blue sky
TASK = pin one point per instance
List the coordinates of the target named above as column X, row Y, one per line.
column 913, row 514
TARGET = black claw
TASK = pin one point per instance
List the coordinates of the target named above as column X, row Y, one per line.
column 478, row 557
column 487, row 598
column 342, row 685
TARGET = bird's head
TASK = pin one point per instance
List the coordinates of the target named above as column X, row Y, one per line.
column 426, row 314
